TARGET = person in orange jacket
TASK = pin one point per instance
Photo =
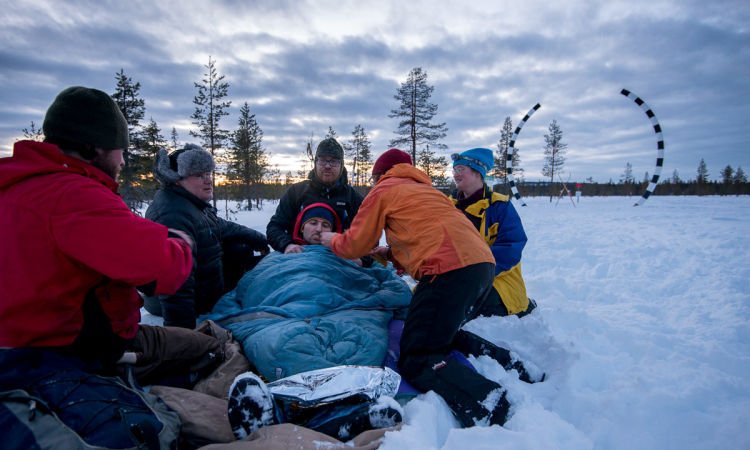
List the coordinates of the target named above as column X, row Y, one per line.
column 439, row 247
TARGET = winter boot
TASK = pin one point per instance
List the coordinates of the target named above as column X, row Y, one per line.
column 471, row 344
column 473, row 399
column 344, row 421
column 250, row 406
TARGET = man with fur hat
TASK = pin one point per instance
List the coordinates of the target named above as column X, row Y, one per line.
column 494, row 216
column 71, row 256
column 326, row 183
column 223, row 250
column 437, row 246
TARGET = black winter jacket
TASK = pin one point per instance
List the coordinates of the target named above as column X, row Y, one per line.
column 177, row 208
column 342, row 197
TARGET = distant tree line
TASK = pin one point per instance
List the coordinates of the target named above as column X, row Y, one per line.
column 244, row 173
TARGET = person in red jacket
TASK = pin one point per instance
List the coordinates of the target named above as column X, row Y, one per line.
column 71, row 256
column 435, row 244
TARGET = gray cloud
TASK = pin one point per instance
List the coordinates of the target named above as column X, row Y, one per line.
column 303, row 67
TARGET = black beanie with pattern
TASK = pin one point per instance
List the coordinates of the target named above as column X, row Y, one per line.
column 86, row 116
column 331, row 148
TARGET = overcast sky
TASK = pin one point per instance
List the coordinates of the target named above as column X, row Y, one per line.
column 305, row 66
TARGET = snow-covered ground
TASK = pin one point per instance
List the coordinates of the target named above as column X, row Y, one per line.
column 642, row 327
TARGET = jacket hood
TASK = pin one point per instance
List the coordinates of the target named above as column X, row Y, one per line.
column 406, row 171
column 31, row 158
column 297, row 234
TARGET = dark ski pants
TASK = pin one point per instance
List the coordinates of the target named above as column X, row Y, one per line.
column 439, row 307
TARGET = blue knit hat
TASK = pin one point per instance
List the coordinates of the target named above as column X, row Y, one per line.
column 319, row 212
column 479, row 159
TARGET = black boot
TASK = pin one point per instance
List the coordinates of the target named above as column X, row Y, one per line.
column 470, row 344
column 473, row 399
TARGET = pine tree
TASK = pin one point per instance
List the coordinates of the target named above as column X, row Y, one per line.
column 133, row 107
column 727, row 175
column 702, row 173
column 33, row 133
column 210, row 107
column 151, row 142
column 627, row 176
column 331, row 133
column 359, row 149
column 676, row 177
column 739, row 176
column 308, row 157
column 554, row 154
column 434, row 166
column 501, row 155
column 174, row 143
column 415, row 113
column 248, row 162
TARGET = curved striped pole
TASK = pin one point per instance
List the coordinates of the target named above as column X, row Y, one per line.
column 659, row 144
column 512, row 152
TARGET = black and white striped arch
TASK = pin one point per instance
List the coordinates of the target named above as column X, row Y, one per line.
column 659, row 144
column 512, row 151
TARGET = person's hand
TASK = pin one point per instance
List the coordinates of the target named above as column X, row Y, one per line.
column 326, row 237
column 380, row 254
column 293, row 248
column 182, row 235
column 263, row 249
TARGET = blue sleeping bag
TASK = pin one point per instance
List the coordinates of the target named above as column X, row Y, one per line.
column 311, row 310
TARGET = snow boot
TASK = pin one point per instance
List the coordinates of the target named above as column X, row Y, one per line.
column 473, row 399
column 250, row 405
column 344, row 421
column 471, row 344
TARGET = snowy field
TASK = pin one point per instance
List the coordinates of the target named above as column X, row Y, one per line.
column 642, row 327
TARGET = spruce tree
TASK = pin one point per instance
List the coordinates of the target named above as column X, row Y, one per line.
column 627, row 175
column 133, row 107
column 359, row 151
column 210, row 107
column 501, row 155
column 415, row 114
column 739, row 176
column 554, row 154
column 434, row 166
column 173, row 140
column 151, row 141
column 702, row 173
column 33, row 133
column 248, row 162
column 727, row 175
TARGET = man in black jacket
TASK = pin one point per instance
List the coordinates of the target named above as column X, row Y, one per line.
column 327, row 183
column 222, row 251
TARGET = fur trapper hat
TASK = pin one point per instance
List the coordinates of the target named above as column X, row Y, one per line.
column 86, row 116
column 187, row 161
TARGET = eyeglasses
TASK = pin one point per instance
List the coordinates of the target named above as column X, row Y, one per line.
column 329, row 162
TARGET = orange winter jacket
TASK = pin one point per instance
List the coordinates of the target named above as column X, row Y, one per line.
column 426, row 233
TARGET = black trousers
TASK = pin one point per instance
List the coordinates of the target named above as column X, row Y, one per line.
column 440, row 306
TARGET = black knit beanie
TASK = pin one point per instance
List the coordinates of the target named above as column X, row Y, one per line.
column 86, row 116
column 331, row 148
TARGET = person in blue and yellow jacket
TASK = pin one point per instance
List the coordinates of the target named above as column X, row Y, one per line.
column 497, row 221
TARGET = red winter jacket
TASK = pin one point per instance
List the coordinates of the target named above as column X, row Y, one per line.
column 65, row 234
